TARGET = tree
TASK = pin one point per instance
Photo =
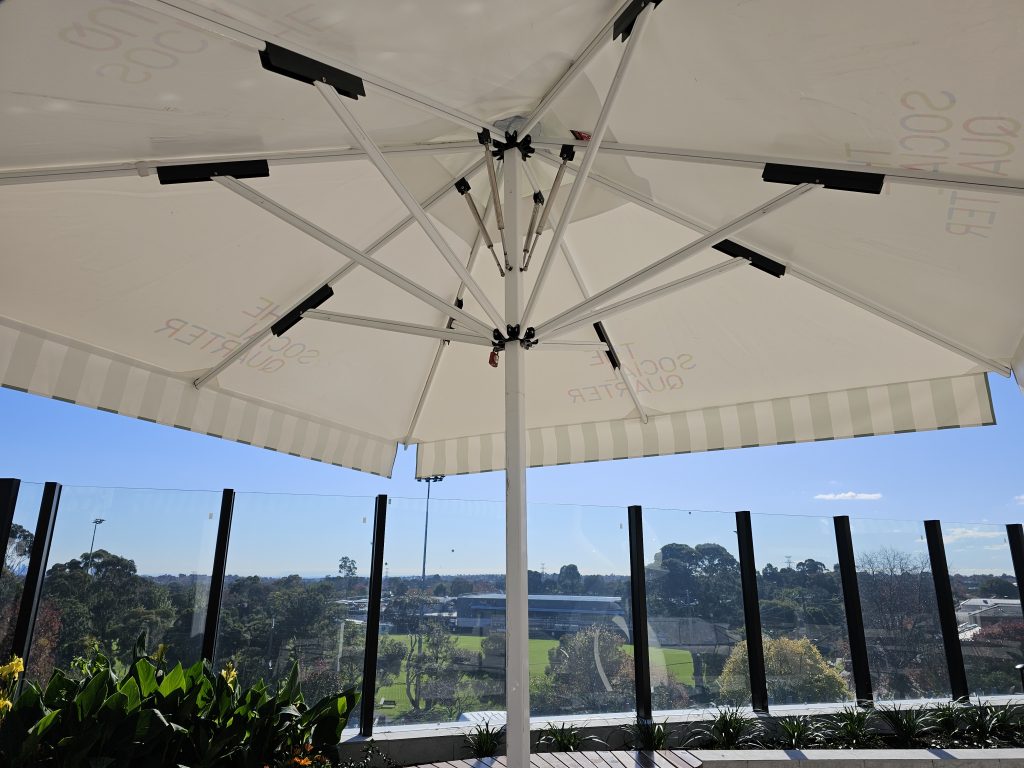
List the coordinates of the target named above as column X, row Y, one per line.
column 347, row 571
column 997, row 588
column 898, row 600
column 587, row 672
column 593, row 584
column 795, row 671
column 569, row 579
column 460, row 586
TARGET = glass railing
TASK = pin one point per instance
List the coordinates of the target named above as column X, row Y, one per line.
column 987, row 604
column 441, row 652
column 581, row 651
column 125, row 563
column 901, row 618
column 16, row 558
column 803, row 622
column 694, row 610
column 295, row 590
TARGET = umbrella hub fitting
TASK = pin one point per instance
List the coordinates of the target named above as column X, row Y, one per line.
column 513, row 333
column 511, row 142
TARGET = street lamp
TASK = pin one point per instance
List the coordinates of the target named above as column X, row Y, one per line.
column 426, row 523
column 1020, row 668
column 92, row 546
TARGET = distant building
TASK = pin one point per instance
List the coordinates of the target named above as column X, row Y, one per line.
column 550, row 615
column 984, row 612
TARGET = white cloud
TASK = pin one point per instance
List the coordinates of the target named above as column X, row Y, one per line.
column 1019, row 499
column 960, row 534
column 848, row 496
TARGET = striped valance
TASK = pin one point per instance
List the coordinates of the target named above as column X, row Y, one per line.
column 916, row 406
column 51, row 366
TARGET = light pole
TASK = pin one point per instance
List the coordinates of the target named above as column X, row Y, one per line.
column 1020, row 668
column 426, row 524
column 92, row 545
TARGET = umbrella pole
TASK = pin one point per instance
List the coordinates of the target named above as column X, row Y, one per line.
column 517, row 671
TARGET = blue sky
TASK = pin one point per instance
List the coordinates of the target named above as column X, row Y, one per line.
column 968, row 478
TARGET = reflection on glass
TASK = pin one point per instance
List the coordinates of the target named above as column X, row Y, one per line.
column 695, row 610
column 901, row 621
column 806, row 647
column 581, row 652
column 295, row 590
column 441, row 654
column 125, row 562
column 988, row 610
column 16, row 557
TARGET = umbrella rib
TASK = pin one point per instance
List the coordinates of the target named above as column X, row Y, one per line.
column 811, row 279
column 588, row 160
column 336, row 244
column 474, row 251
column 284, row 157
column 395, row 326
column 604, row 312
column 253, row 37
column 596, row 44
column 415, row 209
column 613, row 356
column 339, row 274
column 646, row 273
column 736, row 159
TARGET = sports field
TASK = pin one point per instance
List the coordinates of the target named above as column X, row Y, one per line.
column 678, row 661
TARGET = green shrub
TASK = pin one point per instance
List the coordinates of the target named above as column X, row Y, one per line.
column 729, row 729
column 484, row 741
column 647, row 734
column 566, row 738
column 151, row 717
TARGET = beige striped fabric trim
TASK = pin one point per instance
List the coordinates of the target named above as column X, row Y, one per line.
column 51, row 366
column 916, row 406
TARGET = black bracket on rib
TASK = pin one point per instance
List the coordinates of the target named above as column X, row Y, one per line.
column 602, row 335
column 298, row 67
column 757, row 260
column 512, row 141
column 567, row 153
column 623, row 26
column 848, row 181
column 239, row 169
column 313, row 301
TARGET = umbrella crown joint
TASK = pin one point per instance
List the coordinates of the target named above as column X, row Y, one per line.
column 512, row 141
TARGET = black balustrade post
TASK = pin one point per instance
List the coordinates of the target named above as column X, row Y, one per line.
column 638, row 594
column 220, row 561
column 947, row 610
column 366, row 701
column 8, row 501
column 1015, row 536
column 752, row 613
column 33, row 590
column 854, row 617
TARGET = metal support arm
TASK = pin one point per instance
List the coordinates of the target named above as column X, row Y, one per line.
column 624, row 286
column 376, row 157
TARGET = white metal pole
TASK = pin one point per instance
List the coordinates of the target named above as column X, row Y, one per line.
column 517, row 631
column 588, row 159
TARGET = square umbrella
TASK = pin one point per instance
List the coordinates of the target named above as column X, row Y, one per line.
column 243, row 218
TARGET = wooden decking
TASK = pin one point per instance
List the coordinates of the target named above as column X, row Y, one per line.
column 609, row 759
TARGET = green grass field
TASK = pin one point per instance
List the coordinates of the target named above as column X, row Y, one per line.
column 679, row 663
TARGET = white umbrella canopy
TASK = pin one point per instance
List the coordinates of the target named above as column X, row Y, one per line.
column 863, row 158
